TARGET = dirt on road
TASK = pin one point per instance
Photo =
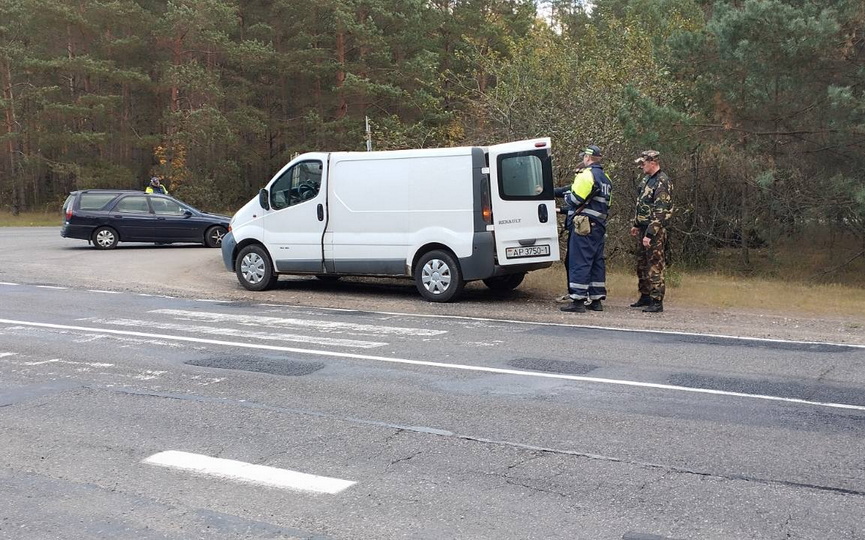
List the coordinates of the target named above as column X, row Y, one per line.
column 39, row 255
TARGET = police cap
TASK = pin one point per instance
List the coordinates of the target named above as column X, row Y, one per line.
column 592, row 150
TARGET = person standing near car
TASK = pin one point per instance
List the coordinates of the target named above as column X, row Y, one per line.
column 156, row 186
column 590, row 199
column 653, row 211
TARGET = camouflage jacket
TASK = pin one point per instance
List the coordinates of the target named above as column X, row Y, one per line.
column 654, row 203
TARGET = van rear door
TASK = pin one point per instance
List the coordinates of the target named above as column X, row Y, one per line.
column 523, row 203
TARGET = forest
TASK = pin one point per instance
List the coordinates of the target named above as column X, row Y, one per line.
column 756, row 106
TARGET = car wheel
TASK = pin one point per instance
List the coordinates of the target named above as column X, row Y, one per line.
column 105, row 238
column 438, row 277
column 213, row 236
column 254, row 269
column 505, row 283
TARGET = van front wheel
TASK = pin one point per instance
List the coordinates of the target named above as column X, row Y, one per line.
column 438, row 277
column 254, row 269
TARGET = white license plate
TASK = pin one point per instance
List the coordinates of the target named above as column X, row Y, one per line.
column 527, row 251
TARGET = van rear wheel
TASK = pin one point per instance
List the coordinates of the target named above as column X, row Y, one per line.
column 254, row 269
column 438, row 277
column 505, row 283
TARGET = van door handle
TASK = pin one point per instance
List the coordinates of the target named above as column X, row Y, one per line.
column 320, row 212
column 543, row 215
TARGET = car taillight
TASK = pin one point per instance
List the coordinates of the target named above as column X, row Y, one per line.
column 68, row 214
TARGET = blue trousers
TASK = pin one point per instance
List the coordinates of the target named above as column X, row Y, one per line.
column 587, row 270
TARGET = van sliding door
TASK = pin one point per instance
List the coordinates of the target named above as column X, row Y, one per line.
column 524, row 209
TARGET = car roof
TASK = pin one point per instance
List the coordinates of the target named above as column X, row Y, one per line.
column 106, row 191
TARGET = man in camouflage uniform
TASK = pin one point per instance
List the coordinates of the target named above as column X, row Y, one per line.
column 654, row 208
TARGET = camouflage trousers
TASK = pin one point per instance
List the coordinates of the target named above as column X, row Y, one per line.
column 651, row 264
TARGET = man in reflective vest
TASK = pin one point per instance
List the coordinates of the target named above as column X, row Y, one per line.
column 155, row 186
column 588, row 204
column 653, row 211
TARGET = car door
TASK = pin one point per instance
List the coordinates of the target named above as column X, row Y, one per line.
column 174, row 222
column 294, row 224
column 132, row 218
column 523, row 203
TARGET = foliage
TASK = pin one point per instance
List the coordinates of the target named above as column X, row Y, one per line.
column 757, row 106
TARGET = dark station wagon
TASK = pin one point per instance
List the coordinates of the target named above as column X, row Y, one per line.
column 105, row 217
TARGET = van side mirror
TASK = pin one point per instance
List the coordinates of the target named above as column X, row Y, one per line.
column 264, row 199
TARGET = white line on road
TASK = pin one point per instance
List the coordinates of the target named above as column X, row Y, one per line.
column 100, row 291
column 248, row 472
column 73, row 362
column 463, row 367
column 281, row 322
column 10, row 284
column 51, row 287
column 244, row 334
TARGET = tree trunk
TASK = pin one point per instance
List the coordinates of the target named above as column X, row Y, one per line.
column 11, row 123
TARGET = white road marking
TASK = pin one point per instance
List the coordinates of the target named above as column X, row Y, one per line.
column 540, row 323
column 10, row 284
column 463, row 367
column 248, row 472
column 59, row 361
column 51, row 287
column 280, row 322
column 219, row 331
column 103, row 292
column 5, row 354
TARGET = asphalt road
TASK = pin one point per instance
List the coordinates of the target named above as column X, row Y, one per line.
column 429, row 425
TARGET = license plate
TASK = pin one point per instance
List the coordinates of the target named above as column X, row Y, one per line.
column 527, row 251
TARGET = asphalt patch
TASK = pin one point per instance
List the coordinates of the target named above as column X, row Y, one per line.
column 552, row 366
column 785, row 389
column 272, row 366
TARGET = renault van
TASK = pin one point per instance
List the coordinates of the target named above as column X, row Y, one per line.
column 442, row 216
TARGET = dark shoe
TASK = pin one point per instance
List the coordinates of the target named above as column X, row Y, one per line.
column 656, row 306
column 596, row 305
column 577, row 306
column 645, row 300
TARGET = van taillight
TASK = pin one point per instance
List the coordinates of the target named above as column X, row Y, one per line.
column 486, row 203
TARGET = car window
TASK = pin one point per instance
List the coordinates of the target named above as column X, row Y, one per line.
column 165, row 207
column 299, row 183
column 95, row 201
column 68, row 202
column 132, row 205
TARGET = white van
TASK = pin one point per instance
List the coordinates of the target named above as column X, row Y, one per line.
column 442, row 216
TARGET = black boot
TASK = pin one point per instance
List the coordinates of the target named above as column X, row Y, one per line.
column 596, row 305
column 644, row 300
column 656, row 306
column 577, row 306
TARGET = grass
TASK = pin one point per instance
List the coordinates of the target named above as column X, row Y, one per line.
column 714, row 290
column 31, row 219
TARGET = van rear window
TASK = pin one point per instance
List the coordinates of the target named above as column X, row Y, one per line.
column 523, row 175
column 95, row 201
